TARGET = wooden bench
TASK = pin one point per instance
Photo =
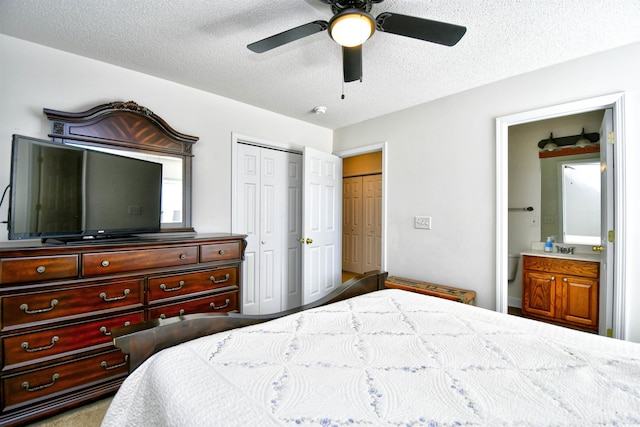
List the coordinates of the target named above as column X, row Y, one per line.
column 464, row 296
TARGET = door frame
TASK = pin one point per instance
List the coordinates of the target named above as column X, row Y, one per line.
column 614, row 101
column 365, row 149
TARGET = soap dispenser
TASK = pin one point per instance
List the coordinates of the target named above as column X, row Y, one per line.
column 548, row 246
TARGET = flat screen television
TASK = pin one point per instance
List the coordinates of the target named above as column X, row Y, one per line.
column 64, row 193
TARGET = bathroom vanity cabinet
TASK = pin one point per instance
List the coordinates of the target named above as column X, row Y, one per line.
column 560, row 290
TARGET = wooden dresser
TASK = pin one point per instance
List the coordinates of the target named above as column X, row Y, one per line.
column 58, row 305
column 562, row 291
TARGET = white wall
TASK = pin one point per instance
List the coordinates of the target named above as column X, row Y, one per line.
column 33, row 77
column 441, row 163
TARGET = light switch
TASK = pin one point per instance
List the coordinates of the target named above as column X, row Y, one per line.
column 423, row 222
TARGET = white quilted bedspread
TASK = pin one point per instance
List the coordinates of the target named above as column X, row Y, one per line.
column 390, row 358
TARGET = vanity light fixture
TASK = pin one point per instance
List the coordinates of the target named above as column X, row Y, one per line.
column 351, row 27
column 550, row 145
column 582, row 142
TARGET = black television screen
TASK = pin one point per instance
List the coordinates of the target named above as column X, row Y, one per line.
column 62, row 191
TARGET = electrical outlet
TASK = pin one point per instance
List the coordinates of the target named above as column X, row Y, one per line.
column 533, row 221
column 423, row 222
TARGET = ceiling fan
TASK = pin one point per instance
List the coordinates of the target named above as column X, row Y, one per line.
column 352, row 25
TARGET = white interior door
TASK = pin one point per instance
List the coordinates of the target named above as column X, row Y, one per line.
column 372, row 222
column 607, row 224
column 322, row 224
column 352, row 224
column 268, row 211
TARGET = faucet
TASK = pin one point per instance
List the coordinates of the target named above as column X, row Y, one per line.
column 565, row 249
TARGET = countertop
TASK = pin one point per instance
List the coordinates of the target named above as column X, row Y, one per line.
column 594, row 257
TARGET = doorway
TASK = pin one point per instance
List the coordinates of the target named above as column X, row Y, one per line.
column 361, row 213
column 375, row 168
column 614, row 271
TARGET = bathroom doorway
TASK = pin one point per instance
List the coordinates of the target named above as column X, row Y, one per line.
column 612, row 320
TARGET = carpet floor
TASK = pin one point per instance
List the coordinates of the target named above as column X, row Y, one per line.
column 90, row 415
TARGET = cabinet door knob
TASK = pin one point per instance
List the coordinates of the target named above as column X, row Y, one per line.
column 183, row 256
column 41, row 269
column 221, row 252
column 553, row 277
column 565, row 280
column 105, row 263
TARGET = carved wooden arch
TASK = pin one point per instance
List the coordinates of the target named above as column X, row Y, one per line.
column 128, row 126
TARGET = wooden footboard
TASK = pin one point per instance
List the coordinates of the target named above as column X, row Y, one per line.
column 141, row 340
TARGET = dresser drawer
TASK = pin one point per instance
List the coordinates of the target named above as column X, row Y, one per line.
column 37, row 269
column 220, row 251
column 161, row 288
column 101, row 263
column 215, row 304
column 64, row 302
column 22, row 389
column 23, row 349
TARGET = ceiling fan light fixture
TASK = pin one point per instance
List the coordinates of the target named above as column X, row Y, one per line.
column 351, row 27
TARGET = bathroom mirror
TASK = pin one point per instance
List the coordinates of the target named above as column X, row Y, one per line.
column 570, row 199
column 581, row 202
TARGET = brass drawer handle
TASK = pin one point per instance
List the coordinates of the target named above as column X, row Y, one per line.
column 177, row 288
column 25, row 308
column 103, row 329
column 180, row 313
column 222, row 252
column 104, row 296
column 220, row 307
column 54, row 378
column 105, row 263
column 25, row 345
column 119, row 365
column 41, row 269
column 226, row 278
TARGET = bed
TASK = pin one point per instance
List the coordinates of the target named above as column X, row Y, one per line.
column 387, row 357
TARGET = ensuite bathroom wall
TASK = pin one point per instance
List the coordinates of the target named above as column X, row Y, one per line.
column 525, row 183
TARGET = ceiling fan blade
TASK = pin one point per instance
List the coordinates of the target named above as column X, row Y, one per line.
column 352, row 63
column 420, row 28
column 288, row 36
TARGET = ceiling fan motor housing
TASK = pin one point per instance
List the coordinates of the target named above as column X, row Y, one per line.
column 338, row 6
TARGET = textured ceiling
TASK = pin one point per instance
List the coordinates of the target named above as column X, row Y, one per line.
column 202, row 43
